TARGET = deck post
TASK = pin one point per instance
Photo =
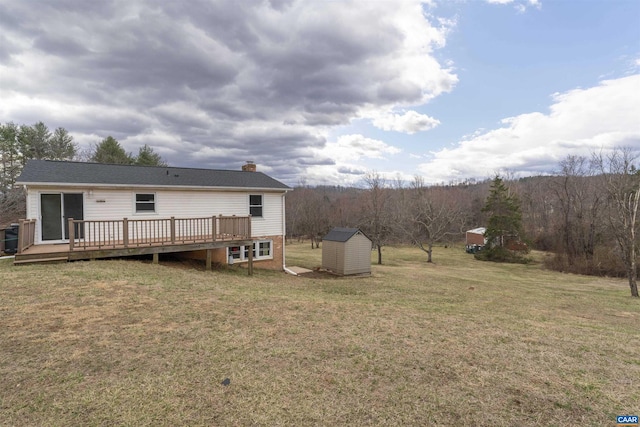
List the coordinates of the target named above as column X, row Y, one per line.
column 125, row 232
column 209, row 253
column 20, row 235
column 213, row 228
column 250, row 260
column 173, row 229
column 251, row 247
column 32, row 232
column 156, row 257
column 72, row 234
column 234, row 226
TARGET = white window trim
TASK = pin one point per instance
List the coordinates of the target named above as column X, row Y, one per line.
column 261, row 205
column 256, row 256
column 155, row 203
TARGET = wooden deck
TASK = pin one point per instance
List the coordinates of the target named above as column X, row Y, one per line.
column 109, row 239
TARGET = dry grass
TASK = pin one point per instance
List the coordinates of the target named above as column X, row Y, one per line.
column 458, row 342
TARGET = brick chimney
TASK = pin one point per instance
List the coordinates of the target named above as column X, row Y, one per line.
column 249, row 167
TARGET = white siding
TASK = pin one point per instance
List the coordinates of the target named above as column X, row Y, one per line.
column 108, row 204
column 116, row 204
column 271, row 222
column 32, row 204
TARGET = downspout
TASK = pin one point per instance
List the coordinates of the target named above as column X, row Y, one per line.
column 284, row 238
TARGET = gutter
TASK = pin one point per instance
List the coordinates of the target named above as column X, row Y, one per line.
column 159, row 186
column 284, row 239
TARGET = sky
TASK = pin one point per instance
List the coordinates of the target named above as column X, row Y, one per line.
column 326, row 91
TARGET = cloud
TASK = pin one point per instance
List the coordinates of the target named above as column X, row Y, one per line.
column 521, row 6
column 580, row 121
column 409, row 122
column 346, row 152
column 219, row 82
column 355, row 147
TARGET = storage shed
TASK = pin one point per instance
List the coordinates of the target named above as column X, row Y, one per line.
column 476, row 237
column 346, row 251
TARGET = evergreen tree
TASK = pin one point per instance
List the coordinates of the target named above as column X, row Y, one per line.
column 109, row 150
column 148, row 157
column 61, row 146
column 504, row 225
column 34, row 141
column 10, row 157
column 21, row 143
column 505, row 219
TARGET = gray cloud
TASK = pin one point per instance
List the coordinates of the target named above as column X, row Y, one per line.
column 212, row 82
column 351, row 171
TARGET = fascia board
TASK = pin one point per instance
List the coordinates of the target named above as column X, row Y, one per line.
column 168, row 187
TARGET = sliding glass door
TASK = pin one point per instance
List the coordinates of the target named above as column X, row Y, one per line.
column 56, row 209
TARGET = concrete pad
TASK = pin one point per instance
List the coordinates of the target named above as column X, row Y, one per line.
column 299, row 270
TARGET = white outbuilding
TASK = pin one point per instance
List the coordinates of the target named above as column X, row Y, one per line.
column 346, row 251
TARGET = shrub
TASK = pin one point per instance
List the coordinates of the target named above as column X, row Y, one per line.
column 606, row 261
column 501, row 254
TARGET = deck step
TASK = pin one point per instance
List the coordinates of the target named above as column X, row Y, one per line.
column 35, row 260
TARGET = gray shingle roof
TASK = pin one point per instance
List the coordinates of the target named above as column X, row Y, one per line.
column 49, row 172
column 341, row 234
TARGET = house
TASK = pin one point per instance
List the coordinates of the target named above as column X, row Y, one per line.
column 346, row 251
column 103, row 210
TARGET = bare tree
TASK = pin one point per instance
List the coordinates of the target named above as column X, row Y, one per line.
column 432, row 216
column 580, row 205
column 621, row 184
column 537, row 204
column 311, row 208
column 376, row 220
column 12, row 206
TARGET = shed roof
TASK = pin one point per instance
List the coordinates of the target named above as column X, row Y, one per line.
column 50, row 172
column 342, row 234
column 479, row 230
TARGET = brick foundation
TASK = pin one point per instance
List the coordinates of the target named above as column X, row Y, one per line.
column 219, row 256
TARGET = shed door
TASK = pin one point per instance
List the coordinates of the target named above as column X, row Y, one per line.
column 55, row 210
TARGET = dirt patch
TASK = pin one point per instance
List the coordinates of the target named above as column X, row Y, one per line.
column 324, row 274
column 320, row 274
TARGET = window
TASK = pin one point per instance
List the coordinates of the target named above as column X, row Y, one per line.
column 234, row 252
column 264, row 249
column 145, row 202
column 261, row 250
column 255, row 205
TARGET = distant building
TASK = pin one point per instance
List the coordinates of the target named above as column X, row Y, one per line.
column 475, row 239
column 476, row 236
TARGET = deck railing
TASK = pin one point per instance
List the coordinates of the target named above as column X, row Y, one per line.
column 84, row 234
column 26, row 234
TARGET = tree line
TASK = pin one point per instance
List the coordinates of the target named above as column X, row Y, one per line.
column 20, row 143
column 585, row 214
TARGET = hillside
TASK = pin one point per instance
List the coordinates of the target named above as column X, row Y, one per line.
column 458, row 342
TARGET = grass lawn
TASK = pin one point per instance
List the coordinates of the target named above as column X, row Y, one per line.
column 458, row 342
